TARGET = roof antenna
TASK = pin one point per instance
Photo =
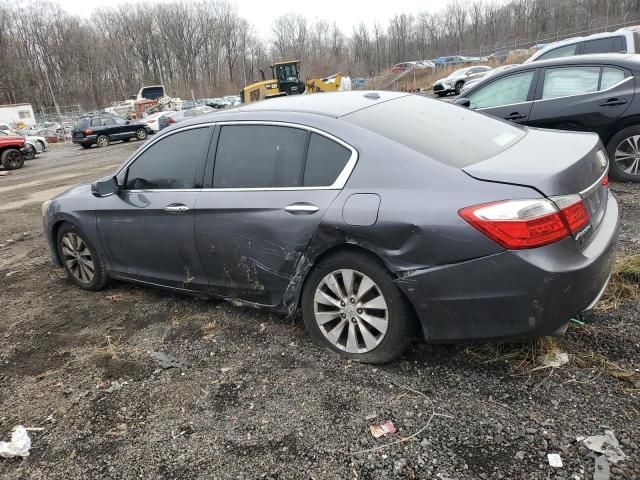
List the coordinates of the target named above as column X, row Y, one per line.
column 372, row 96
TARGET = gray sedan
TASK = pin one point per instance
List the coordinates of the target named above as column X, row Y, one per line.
column 353, row 208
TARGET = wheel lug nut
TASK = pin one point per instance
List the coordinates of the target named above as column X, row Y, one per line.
column 353, row 300
column 342, row 304
column 344, row 315
column 359, row 310
column 353, row 320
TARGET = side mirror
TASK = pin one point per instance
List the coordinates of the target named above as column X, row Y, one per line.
column 463, row 102
column 105, row 187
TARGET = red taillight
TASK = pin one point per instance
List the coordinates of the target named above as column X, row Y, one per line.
column 88, row 131
column 172, row 120
column 518, row 224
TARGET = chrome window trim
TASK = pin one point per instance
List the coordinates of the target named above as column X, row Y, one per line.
column 338, row 184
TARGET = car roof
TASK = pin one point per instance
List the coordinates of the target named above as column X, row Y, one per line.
column 626, row 60
column 570, row 41
column 334, row 104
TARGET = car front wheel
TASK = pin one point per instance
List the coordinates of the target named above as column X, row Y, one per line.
column 624, row 155
column 84, row 266
column 351, row 305
column 12, row 159
column 459, row 86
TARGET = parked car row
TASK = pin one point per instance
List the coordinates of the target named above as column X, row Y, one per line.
column 32, row 145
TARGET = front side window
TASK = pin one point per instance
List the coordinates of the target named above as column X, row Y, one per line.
column 170, row 163
column 504, row 91
column 565, row 81
column 565, row 51
column 259, row 156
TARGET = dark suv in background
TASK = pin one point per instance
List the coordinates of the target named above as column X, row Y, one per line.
column 103, row 128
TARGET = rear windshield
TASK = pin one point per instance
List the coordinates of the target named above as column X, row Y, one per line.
column 447, row 133
column 82, row 124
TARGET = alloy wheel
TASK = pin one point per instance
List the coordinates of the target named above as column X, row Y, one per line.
column 627, row 155
column 13, row 160
column 103, row 141
column 77, row 257
column 351, row 311
column 141, row 134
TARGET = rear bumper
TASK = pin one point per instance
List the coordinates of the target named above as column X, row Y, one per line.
column 88, row 140
column 513, row 294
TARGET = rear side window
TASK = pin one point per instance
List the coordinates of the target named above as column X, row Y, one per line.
column 82, row 124
column 96, row 122
column 565, row 81
column 610, row 77
column 259, row 156
column 565, row 51
column 170, row 163
column 605, row 45
column 325, row 160
column 447, row 133
column 504, row 91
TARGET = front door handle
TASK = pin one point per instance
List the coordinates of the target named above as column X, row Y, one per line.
column 612, row 102
column 301, row 209
column 176, row 208
column 515, row 116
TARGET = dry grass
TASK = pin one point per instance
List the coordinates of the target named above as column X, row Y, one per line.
column 524, row 359
column 624, row 284
column 208, row 330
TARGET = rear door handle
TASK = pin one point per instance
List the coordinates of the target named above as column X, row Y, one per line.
column 515, row 116
column 176, row 208
column 301, row 209
column 612, row 102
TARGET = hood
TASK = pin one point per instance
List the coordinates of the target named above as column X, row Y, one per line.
column 81, row 189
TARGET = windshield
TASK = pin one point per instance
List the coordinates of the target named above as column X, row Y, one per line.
column 460, row 71
column 447, row 133
column 286, row 72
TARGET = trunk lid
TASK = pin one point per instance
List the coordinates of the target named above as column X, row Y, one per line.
column 554, row 163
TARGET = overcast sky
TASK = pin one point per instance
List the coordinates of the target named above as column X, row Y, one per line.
column 261, row 13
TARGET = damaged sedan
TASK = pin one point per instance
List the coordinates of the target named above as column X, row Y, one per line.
column 350, row 208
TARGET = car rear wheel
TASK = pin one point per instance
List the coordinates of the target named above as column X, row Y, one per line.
column 12, row 159
column 459, row 86
column 141, row 134
column 84, row 266
column 29, row 152
column 102, row 141
column 351, row 305
column 624, row 155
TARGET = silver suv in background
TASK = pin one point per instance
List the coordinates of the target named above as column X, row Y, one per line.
column 455, row 81
column 625, row 40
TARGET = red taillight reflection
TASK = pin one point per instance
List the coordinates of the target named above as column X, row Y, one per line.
column 605, row 180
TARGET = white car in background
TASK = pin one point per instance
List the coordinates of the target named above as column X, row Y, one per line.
column 455, row 81
column 152, row 121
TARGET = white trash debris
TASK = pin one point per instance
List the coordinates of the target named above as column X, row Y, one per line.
column 18, row 446
column 554, row 460
column 553, row 359
column 606, row 444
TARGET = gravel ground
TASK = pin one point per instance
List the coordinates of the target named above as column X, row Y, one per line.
column 255, row 399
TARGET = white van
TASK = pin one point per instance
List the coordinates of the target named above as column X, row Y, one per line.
column 625, row 40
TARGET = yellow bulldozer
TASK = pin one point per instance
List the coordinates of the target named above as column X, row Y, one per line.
column 286, row 81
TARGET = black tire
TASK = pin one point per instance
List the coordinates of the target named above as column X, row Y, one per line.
column 400, row 329
column 29, row 152
column 12, row 159
column 141, row 134
column 41, row 145
column 459, row 86
column 102, row 141
column 626, row 141
column 100, row 278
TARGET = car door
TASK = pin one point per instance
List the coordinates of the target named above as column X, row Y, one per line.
column 509, row 96
column 270, row 188
column 121, row 128
column 582, row 97
column 147, row 228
